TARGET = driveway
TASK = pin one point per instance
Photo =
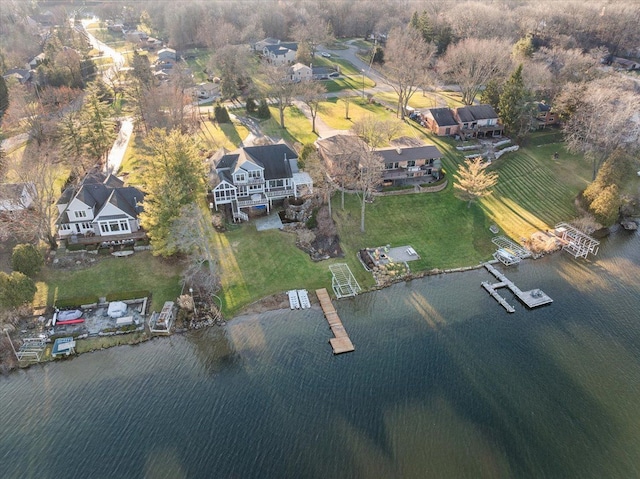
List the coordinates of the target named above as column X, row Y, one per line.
column 114, row 160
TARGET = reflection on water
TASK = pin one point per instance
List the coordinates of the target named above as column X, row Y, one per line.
column 443, row 383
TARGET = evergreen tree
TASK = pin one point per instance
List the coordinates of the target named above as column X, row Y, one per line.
column 251, row 105
column 16, row 289
column 263, row 110
column 173, row 177
column 221, row 114
column 515, row 106
column 142, row 69
column 99, row 130
column 26, row 259
column 491, row 94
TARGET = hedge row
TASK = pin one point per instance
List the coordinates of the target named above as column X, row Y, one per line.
column 75, row 302
column 125, row 295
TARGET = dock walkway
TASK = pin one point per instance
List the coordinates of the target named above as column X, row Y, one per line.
column 531, row 299
column 341, row 342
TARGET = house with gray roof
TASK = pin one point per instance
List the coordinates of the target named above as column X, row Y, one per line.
column 256, row 176
column 100, row 206
column 477, row 121
column 441, row 121
column 403, row 164
column 281, row 53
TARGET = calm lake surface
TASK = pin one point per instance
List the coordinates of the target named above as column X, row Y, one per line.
column 443, row 384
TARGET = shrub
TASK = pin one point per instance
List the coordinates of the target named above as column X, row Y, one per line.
column 16, row 289
column 221, row 114
column 312, row 222
column 27, row 259
column 263, row 110
column 251, row 105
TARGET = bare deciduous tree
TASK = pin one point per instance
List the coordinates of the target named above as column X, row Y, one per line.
column 371, row 166
column 602, row 116
column 376, row 132
column 36, row 223
column 311, row 94
column 407, row 60
column 280, row 88
column 471, row 63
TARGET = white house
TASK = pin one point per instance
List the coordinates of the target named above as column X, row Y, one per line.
column 100, row 206
column 255, row 176
column 281, row 53
column 300, row 72
column 16, row 196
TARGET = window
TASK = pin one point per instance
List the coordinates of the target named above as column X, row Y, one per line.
column 80, row 214
column 65, row 227
column 447, row 131
column 241, row 178
column 411, row 163
column 86, row 226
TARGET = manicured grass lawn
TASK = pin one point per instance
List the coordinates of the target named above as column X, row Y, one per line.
column 199, row 63
column 534, row 191
column 135, row 156
column 254, row 264
column 141, row 271
column 442, row 230
column 225, row 135
column 422, row 101
column 332, row 112
column 298, row 127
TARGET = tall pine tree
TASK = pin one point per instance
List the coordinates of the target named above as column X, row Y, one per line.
column 515, row 105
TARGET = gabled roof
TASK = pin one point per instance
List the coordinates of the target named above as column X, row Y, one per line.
column 11, row 191
column 475, row 113
column 274, row 159
column 443, row 116
column 97, row 190
column 426, row 152
column 277, row 49
column 542, row 106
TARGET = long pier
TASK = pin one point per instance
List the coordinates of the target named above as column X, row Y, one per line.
column 531, row 299
column 341, row 342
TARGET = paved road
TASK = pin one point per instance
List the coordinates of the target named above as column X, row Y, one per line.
column 118, row 58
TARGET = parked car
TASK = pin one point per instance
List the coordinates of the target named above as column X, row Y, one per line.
column 334, row 75
column 326, row 55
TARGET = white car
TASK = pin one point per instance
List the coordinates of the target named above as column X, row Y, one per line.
column 325, row 54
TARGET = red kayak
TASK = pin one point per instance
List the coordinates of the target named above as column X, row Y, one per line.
column 70, row 321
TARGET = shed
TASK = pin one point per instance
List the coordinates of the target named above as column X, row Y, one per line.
column 117, row 309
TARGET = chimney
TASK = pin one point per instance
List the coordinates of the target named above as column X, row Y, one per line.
column 399, row 150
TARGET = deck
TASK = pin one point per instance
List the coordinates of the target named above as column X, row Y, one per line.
column 532, row 298
column 341, row 342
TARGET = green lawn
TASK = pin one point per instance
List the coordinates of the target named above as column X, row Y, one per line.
column 225, row 135
column 298, row 127
column 422, row 100
column 443, row 231
column 256, row 264
column 142, row 271
column 198, row 60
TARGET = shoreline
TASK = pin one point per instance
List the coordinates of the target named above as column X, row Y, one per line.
column 274, row 302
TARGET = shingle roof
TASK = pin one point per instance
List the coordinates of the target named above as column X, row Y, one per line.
column 391, row 155
column 274, row 159
column 443, row 116
column 270, row 157
column 475, row 113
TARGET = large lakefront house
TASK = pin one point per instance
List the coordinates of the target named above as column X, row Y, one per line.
column 100, row 206
column 256, row 176
column 403, row 164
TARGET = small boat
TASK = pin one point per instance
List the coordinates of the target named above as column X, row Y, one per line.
column 304, row 299
column 69, row 315
column 72, row 316
column 294, row 303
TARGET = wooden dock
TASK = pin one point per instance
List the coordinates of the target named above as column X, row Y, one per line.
column 341, row 342
column 531, row 299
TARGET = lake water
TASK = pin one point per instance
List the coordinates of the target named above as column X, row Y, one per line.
column 443, row 384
